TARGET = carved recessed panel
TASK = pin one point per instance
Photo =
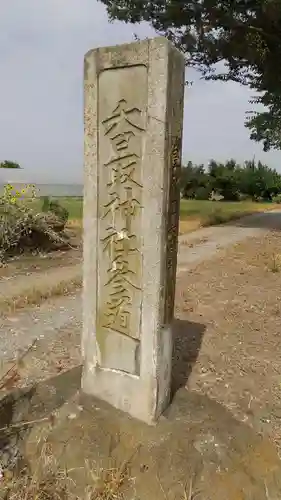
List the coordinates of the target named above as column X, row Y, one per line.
column 122, row 123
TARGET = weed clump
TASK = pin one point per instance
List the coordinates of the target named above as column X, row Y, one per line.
column 22, row 227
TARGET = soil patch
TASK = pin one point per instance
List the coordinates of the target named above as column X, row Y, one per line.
column 30, row 279
column 227, row 354
column 28, row 263
column 227, row 333
column 197, row 450
column 237, row 297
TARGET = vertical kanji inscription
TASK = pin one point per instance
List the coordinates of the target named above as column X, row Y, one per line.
column 120, row 177
column 172, row 229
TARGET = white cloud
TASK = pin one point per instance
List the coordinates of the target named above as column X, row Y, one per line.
column 42, row 44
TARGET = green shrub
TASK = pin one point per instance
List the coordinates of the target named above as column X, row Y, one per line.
column 46, row 204
column 277, row 199
column 57, row 209
column 23, row 228
column 214, row 218
column 203, row 193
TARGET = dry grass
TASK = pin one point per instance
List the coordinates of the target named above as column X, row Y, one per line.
column 45, row 483
column 30, row 279
column 275, row 263
column 49, row 482
column 196, row 213
column 58, row 485
column 52, row 487
column 188, row 491
column 212, row 219
column 37, row 294
column 189, row 225
column 109, row 484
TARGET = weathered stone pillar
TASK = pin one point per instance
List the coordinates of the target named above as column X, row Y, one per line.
column 133, row 133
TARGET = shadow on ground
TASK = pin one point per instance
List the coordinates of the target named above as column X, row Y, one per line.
column 196, row 449
column 35, row 403
column 44, row 398
column 187, row 337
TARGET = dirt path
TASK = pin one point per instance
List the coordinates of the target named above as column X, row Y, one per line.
column 206, row 242
column 18, row 330
column 19, row 292
column 227, row 335
column 230, row 346
column 31, row 280
column 43, row 322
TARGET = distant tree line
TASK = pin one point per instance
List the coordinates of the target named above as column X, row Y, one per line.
column 230, row 180
column 9, row 164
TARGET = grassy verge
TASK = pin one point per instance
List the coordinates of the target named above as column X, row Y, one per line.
column 36, row 294
column 197, row 213
column 74, row 205
column 203, row 212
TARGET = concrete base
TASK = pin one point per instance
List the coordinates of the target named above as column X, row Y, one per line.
column 144, row 397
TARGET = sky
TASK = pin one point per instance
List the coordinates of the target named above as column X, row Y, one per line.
column 42, row 47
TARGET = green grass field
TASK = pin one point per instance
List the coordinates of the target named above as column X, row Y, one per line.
column 196, row 212
column 74, row 205
column 204, row 208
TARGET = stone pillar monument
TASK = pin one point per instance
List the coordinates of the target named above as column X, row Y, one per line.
column 133, row 132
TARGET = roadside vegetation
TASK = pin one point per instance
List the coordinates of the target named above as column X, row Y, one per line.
column 220, row 193
column 231, row 181
column 194, row 213
column 25, row 228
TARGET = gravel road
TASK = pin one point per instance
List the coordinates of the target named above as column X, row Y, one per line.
column 17, row 332
column 204, row 243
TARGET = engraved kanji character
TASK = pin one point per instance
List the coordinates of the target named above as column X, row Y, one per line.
column 117, row 239
column 122, row 177
column 126, row 207
column 123, row 115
